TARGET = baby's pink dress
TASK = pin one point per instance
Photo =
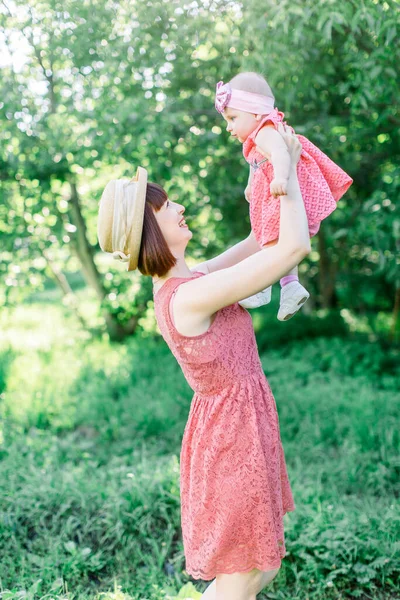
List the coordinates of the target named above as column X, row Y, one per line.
column 234, row 485
column 322, row 184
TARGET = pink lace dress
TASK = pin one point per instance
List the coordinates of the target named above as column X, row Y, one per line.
column 234, row 486
column 322, row 183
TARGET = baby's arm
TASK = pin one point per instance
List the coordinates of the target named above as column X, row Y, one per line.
column 230, row 257
column 271, row 144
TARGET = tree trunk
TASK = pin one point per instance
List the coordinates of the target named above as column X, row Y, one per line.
column 327, row 273
column 395, row 314
column 65, row 288
column 117, row 331
column 82, row 247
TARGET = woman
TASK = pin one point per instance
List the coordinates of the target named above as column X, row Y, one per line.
column 234, row 484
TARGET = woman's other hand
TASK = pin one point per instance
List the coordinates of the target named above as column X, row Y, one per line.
column 292, row 142
column 278, row 187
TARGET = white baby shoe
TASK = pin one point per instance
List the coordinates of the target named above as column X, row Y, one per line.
column 263, row 297
column 293, row 296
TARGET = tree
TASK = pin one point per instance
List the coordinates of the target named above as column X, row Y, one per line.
column 106, row 86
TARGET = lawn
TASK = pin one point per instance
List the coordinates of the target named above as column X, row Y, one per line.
column 89, row 452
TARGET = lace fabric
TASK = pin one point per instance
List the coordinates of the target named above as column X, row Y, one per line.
column 322, row 184
column 233, row 480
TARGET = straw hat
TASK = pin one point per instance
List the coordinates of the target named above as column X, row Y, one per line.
column 120, row 220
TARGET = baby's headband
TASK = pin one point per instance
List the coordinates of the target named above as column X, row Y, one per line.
column 257, row 104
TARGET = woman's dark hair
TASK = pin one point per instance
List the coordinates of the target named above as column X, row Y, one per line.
column 155, row 258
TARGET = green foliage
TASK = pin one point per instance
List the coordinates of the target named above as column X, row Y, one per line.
column 272, row 333
column 100, row 91
column 361, row 356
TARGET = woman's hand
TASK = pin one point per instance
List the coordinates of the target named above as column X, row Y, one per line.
column 278, row 187
column 292, row 142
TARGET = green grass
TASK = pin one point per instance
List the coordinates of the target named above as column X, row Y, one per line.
column 89, row 506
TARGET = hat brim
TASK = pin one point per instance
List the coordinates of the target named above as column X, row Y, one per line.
column 135, row 234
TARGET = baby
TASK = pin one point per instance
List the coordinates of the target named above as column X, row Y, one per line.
column 247, row 105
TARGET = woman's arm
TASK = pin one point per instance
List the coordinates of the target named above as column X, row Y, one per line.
column 198, row 299
column 230, row 257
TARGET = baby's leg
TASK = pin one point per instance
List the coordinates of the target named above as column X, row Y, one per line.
column 293, row 295
column 294, row 271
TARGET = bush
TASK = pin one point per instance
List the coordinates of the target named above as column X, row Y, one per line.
column 272, row 333
column 91, row 464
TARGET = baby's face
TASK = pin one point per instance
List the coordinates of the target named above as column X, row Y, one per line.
column 240, row 124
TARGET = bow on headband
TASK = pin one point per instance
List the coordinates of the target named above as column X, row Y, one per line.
column 222, row 96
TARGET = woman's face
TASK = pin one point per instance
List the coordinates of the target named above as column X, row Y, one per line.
column 173, row 226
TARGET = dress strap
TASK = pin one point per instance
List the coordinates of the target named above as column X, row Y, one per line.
column 165, row 295
column 274, row 117
column 256, row 165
